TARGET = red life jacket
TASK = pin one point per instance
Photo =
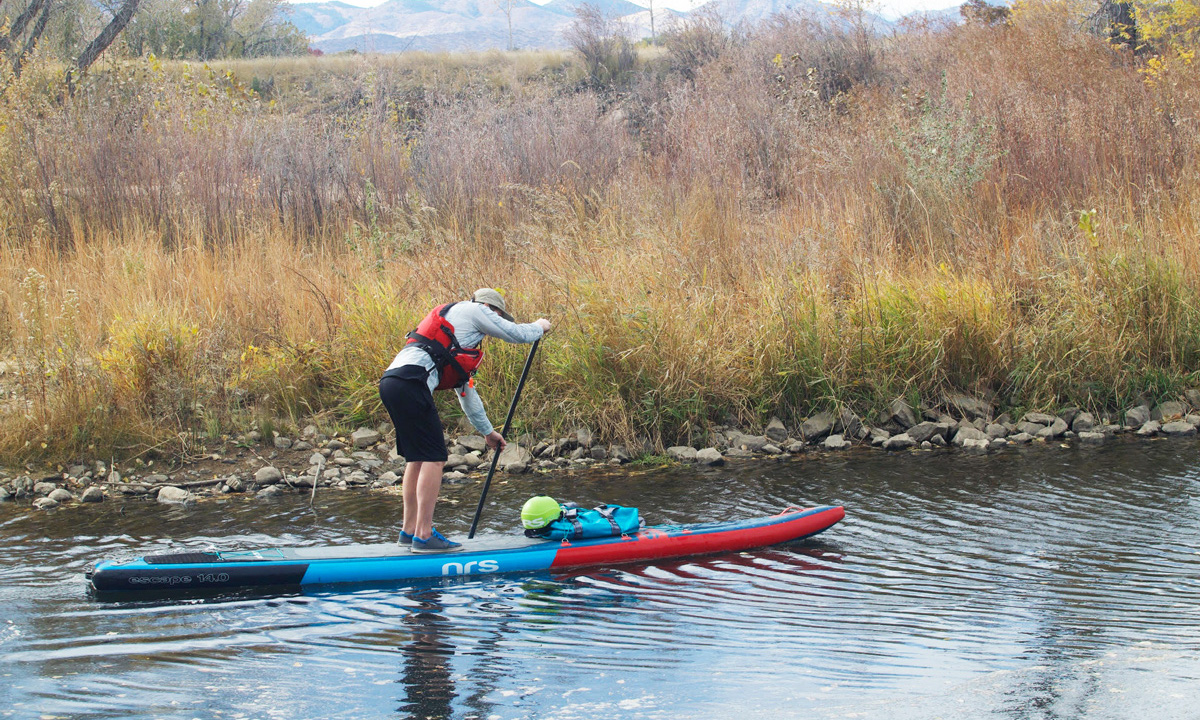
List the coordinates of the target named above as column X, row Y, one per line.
column 455, row 364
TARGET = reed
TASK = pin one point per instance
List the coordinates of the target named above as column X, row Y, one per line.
column 798, row 223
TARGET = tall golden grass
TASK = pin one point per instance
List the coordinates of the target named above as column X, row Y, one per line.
column 1007, row 211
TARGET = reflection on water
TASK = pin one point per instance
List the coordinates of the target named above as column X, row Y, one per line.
column 1045, row 583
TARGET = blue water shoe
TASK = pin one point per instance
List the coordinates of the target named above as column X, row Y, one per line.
column 436, row 543
column 405, row 538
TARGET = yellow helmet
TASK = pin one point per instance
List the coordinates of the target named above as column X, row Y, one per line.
column 539, row 512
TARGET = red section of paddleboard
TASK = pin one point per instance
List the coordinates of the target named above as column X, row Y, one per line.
column 655, row 544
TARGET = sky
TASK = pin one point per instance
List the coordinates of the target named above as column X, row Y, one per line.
column 888, row 8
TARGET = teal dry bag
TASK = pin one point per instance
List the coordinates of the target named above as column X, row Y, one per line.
column 576, row 523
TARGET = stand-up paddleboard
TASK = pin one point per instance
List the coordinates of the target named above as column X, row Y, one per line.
column 388, row 562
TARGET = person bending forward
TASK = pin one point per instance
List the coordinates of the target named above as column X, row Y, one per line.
column 442, row 354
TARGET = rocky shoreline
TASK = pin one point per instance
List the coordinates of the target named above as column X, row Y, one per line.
column 366, row 458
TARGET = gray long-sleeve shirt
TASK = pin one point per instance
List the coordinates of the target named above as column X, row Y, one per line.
column 472, row 321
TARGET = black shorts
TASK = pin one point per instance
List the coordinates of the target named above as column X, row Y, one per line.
column 418, row 427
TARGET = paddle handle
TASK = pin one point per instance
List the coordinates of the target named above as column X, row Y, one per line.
column 512, row 407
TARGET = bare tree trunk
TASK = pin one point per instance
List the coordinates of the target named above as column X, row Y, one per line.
column 34, row 35
column 107, row 35
column 18, row 26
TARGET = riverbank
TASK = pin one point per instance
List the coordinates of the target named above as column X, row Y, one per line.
column 366, row 458
column 790, row 224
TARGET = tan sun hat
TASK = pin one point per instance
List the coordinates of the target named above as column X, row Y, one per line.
column 489, row 296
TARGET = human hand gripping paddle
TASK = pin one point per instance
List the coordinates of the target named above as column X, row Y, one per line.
column 503, row 434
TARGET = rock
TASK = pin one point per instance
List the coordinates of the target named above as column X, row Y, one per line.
column 316, row 459
column 1193, row 419
column 974, row 444
column 455, row 462
column 902, row 414
column 235, row 484
column 598, row 453
column 455, row 476
column 937, row 440
column 752, row 443
column 474, row 460
column 1021, row 438
column 388, row 479
column 1039, row 418
column 358, row 477
column 1150, row 427
column 970, row 434
column 335, row 444
column 836, row 442
column 44, row 488
column 282, row 443
column 682, row 453
column 62, row 496
column 795, row 446
column 996, row 430
column 156, row 479
column 114, row 477
column 922, row 431
column 474, row 443
column 301, row 445
column 254, row 436
column 77, row 471
column 304, row 481
column 620, row 453
column 710, row 456
column 879, row 436
column 365, row 437
column 310, row 432
column 173, row 495
column 998, row 443
column 5, row 495
column 1168, row 411
column 45, row 503
column 1193, row 398
column 1056, row 429
column 1177, row 428
column 270, row 491
column 850, row 424
column 775, row 430
column 971, row 408
column 926, row 445
column 903, row 441
column 1091, row 438
column 268, row 475
column 515, row 459
column 92, row 495
column 579, row 453
column 1083, row 422
column 772, row 449
column 583, row 436
column 817, row 426
column 1031, row 428
column 1137, row 416
column 738, row 453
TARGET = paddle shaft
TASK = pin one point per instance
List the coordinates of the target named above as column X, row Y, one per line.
column 512, row 407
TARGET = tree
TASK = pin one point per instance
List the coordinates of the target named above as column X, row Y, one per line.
column 506, row 7
column 20, row 34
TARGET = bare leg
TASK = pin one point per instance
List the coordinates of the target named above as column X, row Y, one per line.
column 412, row 472
column 428, row 485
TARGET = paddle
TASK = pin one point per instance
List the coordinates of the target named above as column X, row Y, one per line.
column 512, row 407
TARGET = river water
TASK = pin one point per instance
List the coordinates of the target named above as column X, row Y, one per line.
column 1037, row 583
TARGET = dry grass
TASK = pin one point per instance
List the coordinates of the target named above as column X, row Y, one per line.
column 182, row 256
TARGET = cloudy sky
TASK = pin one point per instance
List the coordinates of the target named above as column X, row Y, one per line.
column 887, row 8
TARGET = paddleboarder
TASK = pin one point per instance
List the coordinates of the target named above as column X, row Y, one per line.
column 443, row 354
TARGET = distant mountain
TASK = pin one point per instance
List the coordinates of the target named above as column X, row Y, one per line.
column 611, row 8
column 319, row 18
column 400, row 25
column 450, row 25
